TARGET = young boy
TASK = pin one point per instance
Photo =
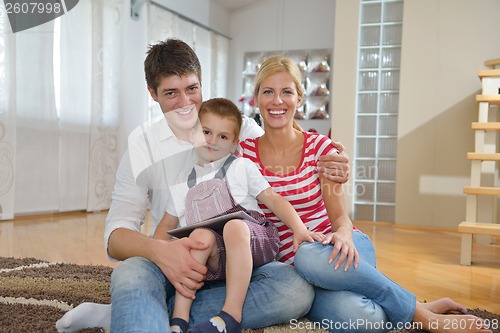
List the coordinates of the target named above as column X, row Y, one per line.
column 242, row 244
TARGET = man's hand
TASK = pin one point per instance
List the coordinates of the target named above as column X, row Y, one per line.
column 335, row 166
column 175, row 261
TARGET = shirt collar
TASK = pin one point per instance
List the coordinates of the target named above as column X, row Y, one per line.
column 160, row 128
column 210, row 167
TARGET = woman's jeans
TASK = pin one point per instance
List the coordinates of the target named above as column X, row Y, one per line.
column 359, row 300
column 142, row 297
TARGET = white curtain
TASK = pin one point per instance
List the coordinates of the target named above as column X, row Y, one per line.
column 218, row 68
column 37, row 134
column 105, row 108
column 59, row 111
column 7, row 119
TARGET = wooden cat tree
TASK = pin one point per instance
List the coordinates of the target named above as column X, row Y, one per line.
column 485, row 150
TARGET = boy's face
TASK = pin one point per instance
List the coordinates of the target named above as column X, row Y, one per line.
column 180, row 99
column 217, row 138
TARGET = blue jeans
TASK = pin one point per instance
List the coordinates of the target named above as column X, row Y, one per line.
column 142, row 297
column 359, row 300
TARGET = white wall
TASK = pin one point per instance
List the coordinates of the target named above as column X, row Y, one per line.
column 344, row 79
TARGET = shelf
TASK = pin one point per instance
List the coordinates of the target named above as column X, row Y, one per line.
column 391, row 46
column 380, row 92
column 492, row 62
column 376, row 158
column 375, row 114
column 468, row 229
column 378, row 203
column 383, row 24
column 482, row 73
column 492, row 99
column 477, row 228
column 379, row 69
column 482, row 190
column 374, row 136
column 492, row 126
column 483, row 156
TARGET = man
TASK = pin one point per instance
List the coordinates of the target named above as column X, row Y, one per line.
column 143, row 285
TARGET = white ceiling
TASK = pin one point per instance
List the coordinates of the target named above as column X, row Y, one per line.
column 234, row 4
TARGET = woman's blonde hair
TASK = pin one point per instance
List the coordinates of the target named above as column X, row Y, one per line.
column 279, row 64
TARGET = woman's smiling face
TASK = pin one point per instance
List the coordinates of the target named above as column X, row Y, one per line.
column 278, row 99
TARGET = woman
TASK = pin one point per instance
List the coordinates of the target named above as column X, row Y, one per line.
column 351, row 294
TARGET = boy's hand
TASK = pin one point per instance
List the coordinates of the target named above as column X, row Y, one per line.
column 306, row 236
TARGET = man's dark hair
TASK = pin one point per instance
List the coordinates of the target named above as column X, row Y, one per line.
column 167, row 58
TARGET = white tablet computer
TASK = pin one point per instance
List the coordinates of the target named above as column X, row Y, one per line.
column 215, row 223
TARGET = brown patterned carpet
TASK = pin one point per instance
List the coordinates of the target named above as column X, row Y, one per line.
column 34, row 294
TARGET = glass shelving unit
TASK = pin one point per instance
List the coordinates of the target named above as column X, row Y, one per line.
column 377, row 110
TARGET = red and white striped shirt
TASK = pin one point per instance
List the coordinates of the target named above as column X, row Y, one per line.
column 301, row 188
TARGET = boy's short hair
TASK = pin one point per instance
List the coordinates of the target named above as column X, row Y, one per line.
column 167, row 58
column 223, row 108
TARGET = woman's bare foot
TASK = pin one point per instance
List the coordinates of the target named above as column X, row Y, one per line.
column 445, row 306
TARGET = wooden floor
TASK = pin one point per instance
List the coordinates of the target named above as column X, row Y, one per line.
column 425, row 261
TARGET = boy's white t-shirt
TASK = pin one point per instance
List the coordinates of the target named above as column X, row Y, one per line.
column 245, row 183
